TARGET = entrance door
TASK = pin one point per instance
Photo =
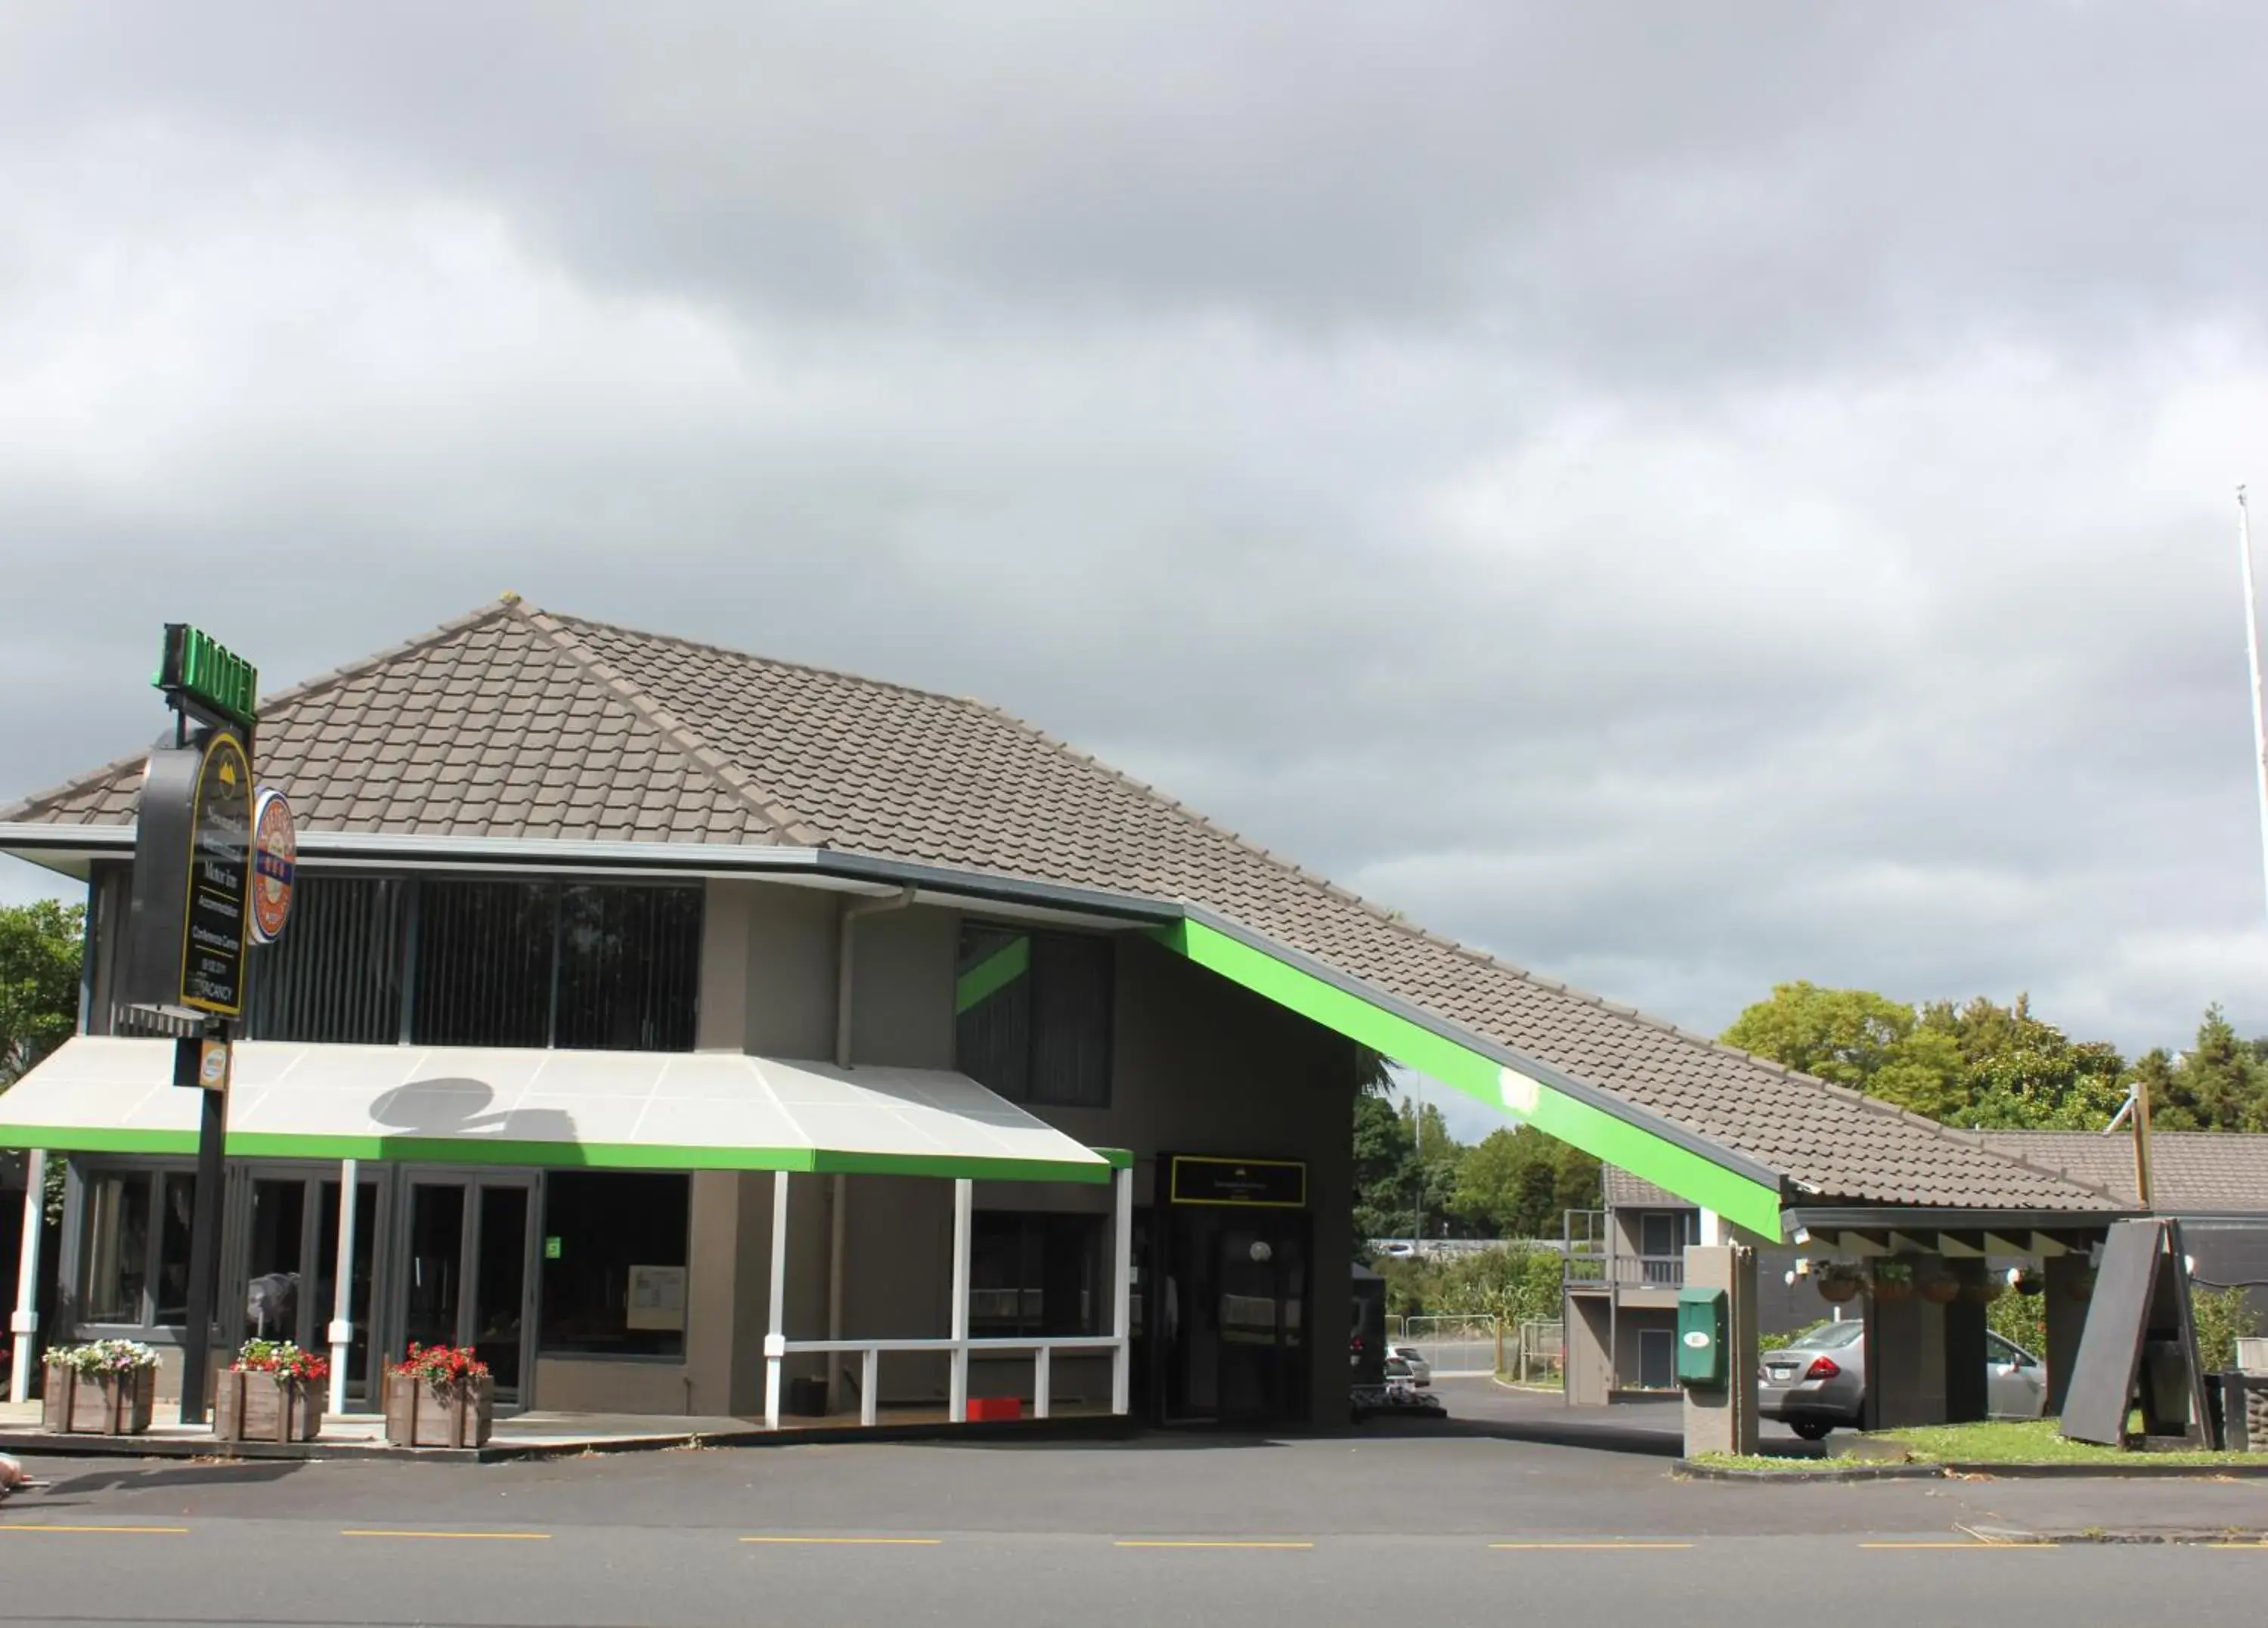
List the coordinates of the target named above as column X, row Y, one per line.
column 283, row 1261
column 1234, row 1310
column 464, row 1277
column 1657, row 1358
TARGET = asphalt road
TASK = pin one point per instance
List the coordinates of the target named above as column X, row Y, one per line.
column 1479, row 1520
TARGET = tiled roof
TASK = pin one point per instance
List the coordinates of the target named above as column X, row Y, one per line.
column 488, row 726
column 1626, row 1191
column 2201, row 1172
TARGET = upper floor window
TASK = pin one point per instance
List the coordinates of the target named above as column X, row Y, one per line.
column 1033, row 1015
column 445, row 961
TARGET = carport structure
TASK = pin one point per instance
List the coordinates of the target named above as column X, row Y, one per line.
column 471, row 748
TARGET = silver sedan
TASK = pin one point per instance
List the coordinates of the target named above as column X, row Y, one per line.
column 1819, row 1382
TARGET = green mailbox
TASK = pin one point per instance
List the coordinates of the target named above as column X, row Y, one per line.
column 1701, row 1337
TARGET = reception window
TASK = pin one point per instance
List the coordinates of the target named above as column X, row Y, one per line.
column 134, row 1248
column 1038, row 1273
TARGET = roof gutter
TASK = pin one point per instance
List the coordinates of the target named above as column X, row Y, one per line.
column 1946, row 1217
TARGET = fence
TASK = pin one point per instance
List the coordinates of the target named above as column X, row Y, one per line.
column 1542, row 1350
column 1453, row 1345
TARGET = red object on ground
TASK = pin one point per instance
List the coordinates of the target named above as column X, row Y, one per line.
column 989, row 1408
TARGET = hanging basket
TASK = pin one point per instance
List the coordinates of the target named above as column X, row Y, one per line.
column 1941, row 1291
column 1984, row 1292
column 1837, row 1288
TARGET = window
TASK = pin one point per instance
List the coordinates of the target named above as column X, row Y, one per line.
column 1036, row 1274
column 336, row 975
column 440, row 961
column 1034, row 1011
column 614, row 1263
column 134, row 1264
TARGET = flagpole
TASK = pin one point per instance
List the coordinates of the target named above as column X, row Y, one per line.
column 2252, row 651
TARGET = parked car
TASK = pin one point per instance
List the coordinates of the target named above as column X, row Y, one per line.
column 1421, row 1372
column 1399, row 1250
column 1398, row 1376
column 1819, row 1382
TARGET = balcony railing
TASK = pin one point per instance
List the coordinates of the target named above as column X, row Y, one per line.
column 1652, row 1271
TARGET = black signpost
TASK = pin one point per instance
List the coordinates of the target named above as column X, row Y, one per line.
column 188, row 929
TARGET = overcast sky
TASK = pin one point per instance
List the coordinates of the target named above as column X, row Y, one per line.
column 1683, row 497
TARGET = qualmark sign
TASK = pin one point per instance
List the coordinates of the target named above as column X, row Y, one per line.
column 192, row 878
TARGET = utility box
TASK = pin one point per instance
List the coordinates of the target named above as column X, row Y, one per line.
column 1701, row 1337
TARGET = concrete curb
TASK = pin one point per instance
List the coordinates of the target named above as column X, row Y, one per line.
column 2004, row 1473
column 27, row 1444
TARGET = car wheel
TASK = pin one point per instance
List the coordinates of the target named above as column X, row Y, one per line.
column 1810, row 1429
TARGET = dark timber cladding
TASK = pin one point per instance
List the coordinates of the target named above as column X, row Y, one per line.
column 515, row 724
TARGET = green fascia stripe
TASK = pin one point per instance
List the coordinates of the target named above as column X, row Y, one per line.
column 550, row 1154
column 1740, row 1199
column 1118, row 1158
column 989, row 977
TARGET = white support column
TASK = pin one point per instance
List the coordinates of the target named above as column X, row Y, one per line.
column 1039, row 1377
column 964, row 1204
column 1121, row 1359
column 838, row 1195
column 24, row 1324
column 870, row 1380
column 341, row 1334
column 775, row 1329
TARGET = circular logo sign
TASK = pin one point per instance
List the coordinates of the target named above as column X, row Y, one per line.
column 1697, row 1340
column 275, row 866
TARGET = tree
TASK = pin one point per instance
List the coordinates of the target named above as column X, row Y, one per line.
column 39, row 947
column 1385, row 1163
column 2221, row 1084
column 1517, row 1183
column 1843, row 1035
column 2022, row 1074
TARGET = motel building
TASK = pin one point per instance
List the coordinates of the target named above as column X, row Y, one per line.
column 696, row 1034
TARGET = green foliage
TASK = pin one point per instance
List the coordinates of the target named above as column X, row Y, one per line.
column 1384, row 1169
column 1513, row 1283
column 39, row 947
column 1983, row 1066
column 2221, row 1084
column 2022, row 1318
column 1517, row 1183
column 2222, row 1318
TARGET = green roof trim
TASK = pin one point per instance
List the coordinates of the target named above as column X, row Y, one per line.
column 551, row 1154
column 1690, row 1173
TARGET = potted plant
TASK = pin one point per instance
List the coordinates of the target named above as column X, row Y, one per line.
column 1985, row 1290
column 1838, row 1282
column 106, row 1388
column 1939, row 1288
column 274, row 1392
column 1894, row 1281
column 440, row 1396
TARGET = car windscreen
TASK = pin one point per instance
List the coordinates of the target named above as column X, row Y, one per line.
column 1831, row 1336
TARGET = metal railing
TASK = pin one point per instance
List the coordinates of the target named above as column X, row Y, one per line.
column 1542, row 1349
column 1652, row 1272
column 1041, row 1351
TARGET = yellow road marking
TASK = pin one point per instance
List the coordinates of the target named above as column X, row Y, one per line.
column 1203, row 1542
column 24, row 1526
column 916, row 1543
column 487, row 1536
column 1591, row 1545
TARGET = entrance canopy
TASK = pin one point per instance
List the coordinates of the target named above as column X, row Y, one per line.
column 559, row 1109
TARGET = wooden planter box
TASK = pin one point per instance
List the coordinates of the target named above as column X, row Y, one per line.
column 260, row 1407
column 98, row 1404
column 418, row 1415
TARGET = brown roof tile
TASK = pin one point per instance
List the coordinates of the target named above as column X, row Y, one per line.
column 595, row 731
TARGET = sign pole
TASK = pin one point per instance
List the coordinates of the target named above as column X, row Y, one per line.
column 204, row 1231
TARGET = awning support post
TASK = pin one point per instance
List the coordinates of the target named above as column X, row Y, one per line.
column 870, row 1377
column 838, row 1194
column 775, row 1329
column 964, row 1204
column 1041, row 1364
column 24, row 1324
column 1122, row 1356
column 341, row 1334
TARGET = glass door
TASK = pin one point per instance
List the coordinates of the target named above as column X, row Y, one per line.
column 463, row 1277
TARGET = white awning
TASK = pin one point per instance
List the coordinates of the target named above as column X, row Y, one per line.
column 594, row 1110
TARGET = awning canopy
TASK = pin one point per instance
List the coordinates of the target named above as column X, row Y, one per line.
column 581, row 1110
